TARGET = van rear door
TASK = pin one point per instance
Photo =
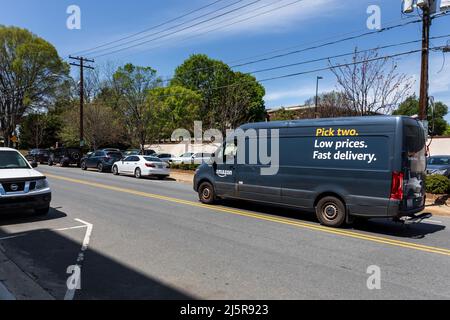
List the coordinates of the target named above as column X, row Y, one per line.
column 414, row 167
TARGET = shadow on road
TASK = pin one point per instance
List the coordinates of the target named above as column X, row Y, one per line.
column 46, row 255
column 16, row 218
column 376, row 226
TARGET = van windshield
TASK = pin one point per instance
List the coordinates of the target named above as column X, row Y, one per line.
column 12, row 160
column 415, row 145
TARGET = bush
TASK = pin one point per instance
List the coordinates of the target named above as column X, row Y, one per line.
column 437, row 184
column 187, row 167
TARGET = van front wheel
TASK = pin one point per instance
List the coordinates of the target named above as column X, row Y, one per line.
column 331, row 212
column 206, row 193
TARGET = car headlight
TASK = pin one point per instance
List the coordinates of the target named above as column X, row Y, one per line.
column 41, row 184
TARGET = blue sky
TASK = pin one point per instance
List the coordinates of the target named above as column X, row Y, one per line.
column 302, row 24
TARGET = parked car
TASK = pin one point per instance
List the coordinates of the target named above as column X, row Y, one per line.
column 186, row 158
column 166, row 157
column 439, row 165
column 22, row 187
column 65, row 157
column 102, row 160
column 200, row 158
column 38, row 155
column 142, row 166
column 132, row 152
column 149, row 152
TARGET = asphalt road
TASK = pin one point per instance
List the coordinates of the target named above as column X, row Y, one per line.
column 151, row 239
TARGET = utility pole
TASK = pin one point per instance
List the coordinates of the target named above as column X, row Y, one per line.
column 316, row 109
column 81, row 65
column 424, row 81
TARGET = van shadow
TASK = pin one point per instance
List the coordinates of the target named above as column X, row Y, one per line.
column 376, row 226
column 10, row 218
column 46, row 256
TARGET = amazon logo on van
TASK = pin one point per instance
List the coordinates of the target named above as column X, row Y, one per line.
column 224, row 173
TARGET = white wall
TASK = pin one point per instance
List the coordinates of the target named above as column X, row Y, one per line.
column 179, row 149
column 440, row 146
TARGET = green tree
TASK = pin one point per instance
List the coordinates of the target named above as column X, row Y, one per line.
column 30, row 73
column 132, row 84
column 410, row 107
column 40, row 130
column 229, row 98
column 174, row 107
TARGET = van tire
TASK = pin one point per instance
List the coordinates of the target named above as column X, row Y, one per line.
column 206, row 193
column 331, row 212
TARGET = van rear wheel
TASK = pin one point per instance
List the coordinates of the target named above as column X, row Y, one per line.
column 331, row 212
column 206, row 193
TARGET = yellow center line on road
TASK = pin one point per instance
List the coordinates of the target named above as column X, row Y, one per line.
column 345, row 233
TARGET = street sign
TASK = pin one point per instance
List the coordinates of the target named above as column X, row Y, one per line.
column 13, row 139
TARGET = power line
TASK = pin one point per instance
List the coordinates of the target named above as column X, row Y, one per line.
column 178, row 31
column 149, row 29
column 343, row 55
column 312, row 71
column 237, row 22
column 312, row 47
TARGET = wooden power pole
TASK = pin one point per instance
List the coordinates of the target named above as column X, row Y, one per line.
column 424, row 81
column 81, row 65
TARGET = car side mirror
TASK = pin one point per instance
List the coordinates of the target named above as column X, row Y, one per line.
column 34, row 165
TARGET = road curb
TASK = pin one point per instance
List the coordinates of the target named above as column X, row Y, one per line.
column 16, row 284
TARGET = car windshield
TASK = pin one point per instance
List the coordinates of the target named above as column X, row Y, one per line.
column 116, row 155
column 12, row 160
column 152, row 159
column 439, row 161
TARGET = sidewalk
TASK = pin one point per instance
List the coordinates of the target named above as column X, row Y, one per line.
column 16, row 284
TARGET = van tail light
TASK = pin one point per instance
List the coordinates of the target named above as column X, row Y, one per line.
column 150, row 165
column 397, row 186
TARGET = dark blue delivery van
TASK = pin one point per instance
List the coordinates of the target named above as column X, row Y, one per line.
column 370, row 167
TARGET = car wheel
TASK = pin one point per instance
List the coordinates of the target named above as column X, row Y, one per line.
column 206, row 193
column 100, row 167
column 331, row 212
column 42, row 211
column 138, row 173
column 115, row 171
column 83, row 166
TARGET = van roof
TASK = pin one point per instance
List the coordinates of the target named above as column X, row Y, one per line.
column 325, row 122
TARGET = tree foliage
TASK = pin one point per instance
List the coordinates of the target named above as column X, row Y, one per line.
column 131, row 86
column 438, row 124
column 30, row 73
column 370, row 84
column 229, row 98
column 174, row 107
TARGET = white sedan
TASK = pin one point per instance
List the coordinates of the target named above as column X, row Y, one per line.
column 141, row 166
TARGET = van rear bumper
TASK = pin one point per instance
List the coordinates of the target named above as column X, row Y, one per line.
column 25, row 202
column 396, row 211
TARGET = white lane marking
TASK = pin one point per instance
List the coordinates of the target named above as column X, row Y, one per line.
column 27, row 233
column 435, row 222
column 70, row 293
